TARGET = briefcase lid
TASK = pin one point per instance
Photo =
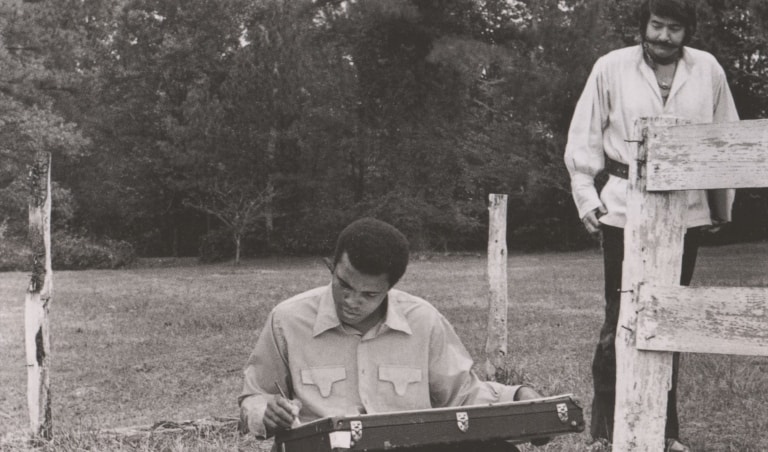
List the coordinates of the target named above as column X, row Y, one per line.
column 438, row 415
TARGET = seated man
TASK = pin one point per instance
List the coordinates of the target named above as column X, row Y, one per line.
column 358, row 346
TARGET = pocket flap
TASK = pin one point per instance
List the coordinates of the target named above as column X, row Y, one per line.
column 323, row 378
column 400, row 377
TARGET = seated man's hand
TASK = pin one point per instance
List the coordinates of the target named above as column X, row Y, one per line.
column 526, row 393
column 281, row 414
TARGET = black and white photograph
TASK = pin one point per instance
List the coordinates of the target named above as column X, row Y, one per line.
column 382, row 225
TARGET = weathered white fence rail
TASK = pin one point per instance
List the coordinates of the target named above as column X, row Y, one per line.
column 703, row 156
column 727, row 320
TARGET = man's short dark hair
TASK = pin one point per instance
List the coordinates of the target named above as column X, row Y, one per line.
column 683, row 11
column 374, row 248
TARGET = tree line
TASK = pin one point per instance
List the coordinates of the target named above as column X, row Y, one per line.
column 224, row 127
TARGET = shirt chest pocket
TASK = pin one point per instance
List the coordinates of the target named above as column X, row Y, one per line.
column 400, row 377
column 323, row 378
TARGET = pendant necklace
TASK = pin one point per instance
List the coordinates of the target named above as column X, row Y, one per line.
column 665, row 85
column 659, row 67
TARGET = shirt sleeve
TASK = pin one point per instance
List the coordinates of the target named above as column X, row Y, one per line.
column 584, row 155
column 452, row 382
column 721, row 201
column 267, row 365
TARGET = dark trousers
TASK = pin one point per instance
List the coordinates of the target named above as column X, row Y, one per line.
column 604, row 363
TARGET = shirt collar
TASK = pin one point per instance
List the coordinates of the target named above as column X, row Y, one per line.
column 684, row 65
column 327, row 319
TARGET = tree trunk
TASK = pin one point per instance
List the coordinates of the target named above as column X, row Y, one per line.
column 238, row 238
column 175, row 241
column 269, row 217
column 38, row 298
column 268, row 207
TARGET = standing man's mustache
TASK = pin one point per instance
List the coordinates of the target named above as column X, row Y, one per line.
column 666, row 44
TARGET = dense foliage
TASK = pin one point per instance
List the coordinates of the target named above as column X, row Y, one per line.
column 220, row 127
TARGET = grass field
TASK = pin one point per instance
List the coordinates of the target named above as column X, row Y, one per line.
column 167, row 342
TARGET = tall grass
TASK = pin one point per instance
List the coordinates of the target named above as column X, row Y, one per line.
column 138, row 346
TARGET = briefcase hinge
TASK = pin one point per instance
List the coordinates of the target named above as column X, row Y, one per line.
column 462, row 420
column 356, row 427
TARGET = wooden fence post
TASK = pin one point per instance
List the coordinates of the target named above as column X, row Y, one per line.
column 38, row 298
column 657, row 315
column 496, row 343
column 653, row 249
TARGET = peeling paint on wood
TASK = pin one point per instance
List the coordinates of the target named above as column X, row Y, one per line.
column 496, row 342
column 657, row 315
column 708, row 156
column 37, row 302
column 653, row 244
column 730, row 320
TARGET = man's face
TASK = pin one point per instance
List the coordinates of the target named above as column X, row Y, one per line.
column 664, row 36
column 356, row 295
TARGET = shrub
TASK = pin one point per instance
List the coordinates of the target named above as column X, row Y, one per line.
column 216, row 246
column 69, row 252
column 74, row 252
column 313, row 233
column 14, row 255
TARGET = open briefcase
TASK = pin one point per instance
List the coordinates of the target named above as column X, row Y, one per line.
column 512, row 421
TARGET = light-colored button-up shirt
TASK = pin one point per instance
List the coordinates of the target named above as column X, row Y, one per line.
column 412, row 360
column 623, row 88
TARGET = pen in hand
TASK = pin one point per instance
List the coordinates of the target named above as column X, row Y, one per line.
column 296, row 421
column 280, row 388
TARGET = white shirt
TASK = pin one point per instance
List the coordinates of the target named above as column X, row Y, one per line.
column 621, row 89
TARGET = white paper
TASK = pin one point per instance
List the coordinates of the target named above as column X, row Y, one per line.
column 340, row 439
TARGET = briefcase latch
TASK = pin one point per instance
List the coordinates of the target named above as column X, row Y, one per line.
column 462, row 420
column 356, row 428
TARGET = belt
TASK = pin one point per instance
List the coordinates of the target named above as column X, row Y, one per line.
column 615, row 168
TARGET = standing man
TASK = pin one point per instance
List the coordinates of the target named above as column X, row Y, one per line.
column 659, row 77
column 358, row 346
